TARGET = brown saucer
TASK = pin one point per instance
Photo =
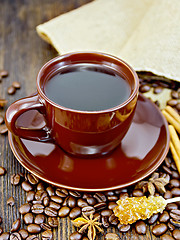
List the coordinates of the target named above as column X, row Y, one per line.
column 141, row 151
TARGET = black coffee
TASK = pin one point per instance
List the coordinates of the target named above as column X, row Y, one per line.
column 87, row 87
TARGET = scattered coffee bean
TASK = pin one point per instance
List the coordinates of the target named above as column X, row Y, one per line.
column 46, row 201
column 45, row 226
column 159, row 229
column 33, row 228
column 32, row 179
column 100, row 197
column 170, row 226
column 26, row 186
column 175, row 214
column 5, row 236
column 174, row 94
column 106, row 213
column 91, row 201
column 158, row 90
column 64, row 211
column 113, row 220
column 28, row 218
column 3, row 103
column 100, row 206
column 16, row 85
column 24, row 233
column 171, row 206
column 61, row 193
column 53, row 221
column 112, row 205
column 37, row 208
column 15, row 179
column 50, row 212
column 25, row 208
column 172, row 102
column 75, row 212
column 75, row 194
column 105, row 221
column 175, row 191
column 175, row 223
column 137, row 193
column 166, row 237
column 164, row 217
column 32, row 237
column 40, row 195
column 153, row 218
column 11, row 90
column 50, row 191
column 111, row 236
column 88, row 210
column 4, row 73
column 40, row 218
column 3, row 129
column 30, row 196
column 75, row 236
column 140, row 227
column 167, row 194
column 144, row 88
column 40, row 186
column 124, row 228
column 16, row 225
column 15, row 236
column 10, row 201
column 82, row 203
column 176, row 234
column 71, row 202
column 2, row 171
column 47, row 235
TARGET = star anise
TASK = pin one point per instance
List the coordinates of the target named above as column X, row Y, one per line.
column 154, row 183
column 88, row 224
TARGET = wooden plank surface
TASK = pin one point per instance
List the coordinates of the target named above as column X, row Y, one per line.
column 23, row 53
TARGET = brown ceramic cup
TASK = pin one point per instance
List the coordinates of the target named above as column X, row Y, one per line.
column 82, row 133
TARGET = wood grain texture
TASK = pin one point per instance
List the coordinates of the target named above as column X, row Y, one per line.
column 23, row 53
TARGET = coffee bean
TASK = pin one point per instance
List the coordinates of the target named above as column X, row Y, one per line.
column 40, row 186
column 167, row 194
column 100, row 206
column 15, row 236
column 112, row 198
column 4, row 73
column 50, row 212
column 54, row 205
column 5, row 236
column 176, row 234
column 37, row 208
column 175, row 174
column 159, row 229
column 1, row 118
column 28, row 218
column 173, row 166
column 30, row 196
column 61, row 193
column 175, row 214
column 170, row 226
column 15, row 179
column 45, row 226
column 75, row 236
column 82, row 203
column 111, row 236
column 113, row 220
column 64, row 211
column 140, row 227
column 10, row 201
column 167, row 170
column 40, row 195
column 100, row 197
column 105, row 222
column 157, row 90
column 124, row 228
column 164, row 217
column 16, row 225
column 166, row 237
column 75, row 212
column 106, row 213
column 26, row 186
column 32, row 179
column 2, row 171
column 11, row 90
column 57, row 199
column 25, row 208
column 71, row 202
column 3, row 103
column 75, row 194
column 33, row 228
column 50, row 191
column 16, row 85
column 172, row 102
column 47, row 235
column 123, row 195
column 174, row 183
column 3, row 129
column 175, row 223
column 137, row 193
column 36, row 202
column 91, row 201
column 112, row 205
column 32, row 237
column 175, row 191
column 65, row 202
column 24, row 233
column 178, row 106
column 144, row 88
column 53, row 221
column 40, row 218
column 88, row 210
column 171, row 206
column 46, row 201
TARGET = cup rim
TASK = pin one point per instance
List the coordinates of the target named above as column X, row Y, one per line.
column 130, row 98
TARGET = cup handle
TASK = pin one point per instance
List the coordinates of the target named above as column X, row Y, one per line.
column 18, row 108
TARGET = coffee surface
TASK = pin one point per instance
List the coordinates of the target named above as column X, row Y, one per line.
column 87, row 87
